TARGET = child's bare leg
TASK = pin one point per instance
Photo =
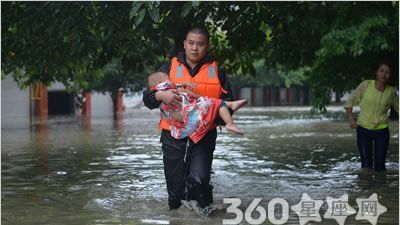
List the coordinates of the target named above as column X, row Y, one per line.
column 176, row 116
column 235, row 105
column 227, row 118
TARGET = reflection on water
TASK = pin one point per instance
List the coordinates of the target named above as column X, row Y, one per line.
column 76, row 170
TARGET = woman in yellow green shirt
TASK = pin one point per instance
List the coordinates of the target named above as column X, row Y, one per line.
column 375, row 97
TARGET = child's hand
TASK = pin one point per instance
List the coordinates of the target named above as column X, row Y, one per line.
column 190, row 85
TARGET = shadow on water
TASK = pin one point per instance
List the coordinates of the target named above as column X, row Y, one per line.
column 82, row 170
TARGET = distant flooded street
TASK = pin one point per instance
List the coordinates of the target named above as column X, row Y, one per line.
column 74, row 170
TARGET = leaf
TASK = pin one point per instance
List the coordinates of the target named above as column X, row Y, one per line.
column 140, row 16
column 135, row 8
column 384, row 46
column 186, row 9
column 84, row 85
column 154, row 14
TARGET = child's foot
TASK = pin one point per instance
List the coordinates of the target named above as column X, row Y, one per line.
column 233, row 128
column 235, row 105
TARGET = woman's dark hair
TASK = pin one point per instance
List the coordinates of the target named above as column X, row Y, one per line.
column 198, row 30
column 384, row 62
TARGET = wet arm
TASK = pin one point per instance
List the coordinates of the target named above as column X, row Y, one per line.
column 150, row 100
column 350, row 117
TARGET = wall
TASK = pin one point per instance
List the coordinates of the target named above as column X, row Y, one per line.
column 14, row 103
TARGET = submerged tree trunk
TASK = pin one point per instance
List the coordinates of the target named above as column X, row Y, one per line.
column 338, row 96
column 114, row 98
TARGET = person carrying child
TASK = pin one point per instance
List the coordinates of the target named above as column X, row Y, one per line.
column 197, row 113
column 187, row 165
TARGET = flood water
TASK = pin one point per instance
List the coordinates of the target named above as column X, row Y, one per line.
column 71, row 170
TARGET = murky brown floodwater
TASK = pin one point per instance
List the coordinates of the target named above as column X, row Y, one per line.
column 73, row 171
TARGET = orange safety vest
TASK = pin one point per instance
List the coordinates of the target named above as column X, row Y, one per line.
column 206, row 80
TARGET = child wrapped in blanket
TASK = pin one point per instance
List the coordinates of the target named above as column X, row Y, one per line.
column 197, row 113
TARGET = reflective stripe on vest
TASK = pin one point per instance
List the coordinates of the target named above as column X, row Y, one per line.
column 206, row 80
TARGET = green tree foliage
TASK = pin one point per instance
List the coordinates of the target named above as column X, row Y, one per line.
column 267, row 76
column 353, row 46
column 77, row 43
column 105, row 46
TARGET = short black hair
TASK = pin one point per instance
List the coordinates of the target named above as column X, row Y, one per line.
column 198, row 30
column 384, row 62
